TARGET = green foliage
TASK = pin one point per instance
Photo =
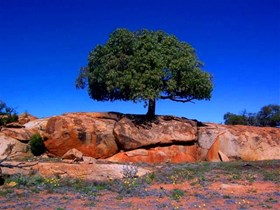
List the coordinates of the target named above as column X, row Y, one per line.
column 234, row 119
column 250, row 178
column 226, row 196
column 7, row 114
column 37, row 145
column 144, row 66
column 5, row 192
column 23, row 180
column 177, row 194
column 268, row 116
column 149, row 178
column 272, row 175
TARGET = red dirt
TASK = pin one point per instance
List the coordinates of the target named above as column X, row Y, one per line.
column 258, row 195
column 214, row 193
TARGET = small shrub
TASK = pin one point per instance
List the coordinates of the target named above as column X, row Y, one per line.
column 24, row 180
column 59, row 208
column 130, row 171
column 5, row 192
column 250, row 178
column 177, row 194
column 37, row 145
column 226, row 197
column 150, row 178
column 236, row 176
column 52, row 182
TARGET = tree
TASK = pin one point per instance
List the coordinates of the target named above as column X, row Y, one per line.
column 233, row 119
column 144, row 66
column 268, row 116
column 7, row 114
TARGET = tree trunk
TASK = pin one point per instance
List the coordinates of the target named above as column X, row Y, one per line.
column 151, row 108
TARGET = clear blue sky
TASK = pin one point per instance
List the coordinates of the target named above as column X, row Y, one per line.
column 43, row 43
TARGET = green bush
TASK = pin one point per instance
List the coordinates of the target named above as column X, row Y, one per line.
column 37, row 145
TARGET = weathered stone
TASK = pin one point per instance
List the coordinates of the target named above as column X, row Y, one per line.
column 25, row 118
column 12, row 147
column 37, row 125
column 167, row 139
column 24, row 134
column 213, row 152
column 166, row 130
column 73, row 154
column 89, row 160
column 14, row 125
column 173, row 154
column 223, row 157
column 239, row 142
column 84, row 171
column 21, row 134
column 90, row 133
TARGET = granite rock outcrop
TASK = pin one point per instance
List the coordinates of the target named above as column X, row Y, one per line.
column 133, row 134
column 90, row 133
column 118, row 137
column 238, row 142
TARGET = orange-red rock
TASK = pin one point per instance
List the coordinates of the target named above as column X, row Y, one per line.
column 25, row 118
column 12, row 147
column 30, row 128
column 79, row 170
column 165, row 130
column 213, row 152
column 239, row 142
column 173, row 154
column 20, row 134
column 223, row 157
column 37, row 126
column 90, row 133
column 73, row 154
column 167, row 139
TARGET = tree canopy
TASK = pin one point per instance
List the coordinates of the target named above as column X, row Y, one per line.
column 144, row 66
column 268, row 116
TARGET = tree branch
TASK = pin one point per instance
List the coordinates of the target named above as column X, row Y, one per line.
column 178, row 100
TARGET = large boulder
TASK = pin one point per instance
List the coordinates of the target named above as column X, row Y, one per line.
column 20, row 134
column 37, row 124
column 238, row 142
column 90, row 133
column 24, row 134
column 12, row 147
column 172, row 154
column 131, row 133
